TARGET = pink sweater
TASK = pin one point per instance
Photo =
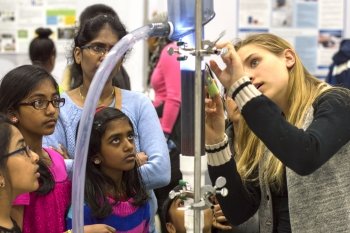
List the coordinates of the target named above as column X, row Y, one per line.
column 46, row 213
column 166, row 82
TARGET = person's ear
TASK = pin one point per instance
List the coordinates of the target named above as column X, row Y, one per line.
column 2, row 181
column 77, row 55
column 289, row 56
column 170, row 227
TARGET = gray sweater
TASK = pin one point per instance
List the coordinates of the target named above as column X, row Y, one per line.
column 319, row 202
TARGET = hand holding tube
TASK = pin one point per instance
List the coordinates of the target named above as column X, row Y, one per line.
column 234, row 66
column 214, row 120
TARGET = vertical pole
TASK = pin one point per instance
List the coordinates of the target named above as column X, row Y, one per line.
column 198, row 115
column 145, row 49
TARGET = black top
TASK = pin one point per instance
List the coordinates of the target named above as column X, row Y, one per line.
column 122, row 79
column 303, row 151
column 15, row 228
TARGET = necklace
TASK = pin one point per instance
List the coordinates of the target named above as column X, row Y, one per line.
column 99, row 101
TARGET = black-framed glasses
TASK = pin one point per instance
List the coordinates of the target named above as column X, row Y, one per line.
column 40, row 104
column 22, row 151
column 97, row 49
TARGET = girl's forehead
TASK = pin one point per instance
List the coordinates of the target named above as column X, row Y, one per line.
column 44, row 86
column 119, row 125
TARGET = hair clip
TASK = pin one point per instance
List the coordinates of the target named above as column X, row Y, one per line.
column 100, row 108
column 97, row 125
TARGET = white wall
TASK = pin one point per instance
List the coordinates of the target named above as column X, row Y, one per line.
column 133, row 14
column 347, row 19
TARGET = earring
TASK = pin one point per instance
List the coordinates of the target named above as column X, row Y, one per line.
column 97, row 161
column 14, row 119
column 2, row 184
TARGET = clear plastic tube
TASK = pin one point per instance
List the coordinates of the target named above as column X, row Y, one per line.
column 97, row 85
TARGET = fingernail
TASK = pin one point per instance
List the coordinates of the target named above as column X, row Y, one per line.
column 223, row 51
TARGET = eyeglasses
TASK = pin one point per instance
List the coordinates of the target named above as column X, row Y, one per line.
column 22, row 151
column 40, row 104
column 96, row 49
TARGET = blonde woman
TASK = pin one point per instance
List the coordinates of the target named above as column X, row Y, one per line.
column 293, row 150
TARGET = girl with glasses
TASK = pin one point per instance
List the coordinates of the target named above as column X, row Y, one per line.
column 29, row 97
column 91, row 44
column 18, row 172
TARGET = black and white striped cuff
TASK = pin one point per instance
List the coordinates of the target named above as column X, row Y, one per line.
column 242, row 91
column 219, row 153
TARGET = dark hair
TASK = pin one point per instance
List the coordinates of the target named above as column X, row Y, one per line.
column 96, row 9
column 165, row 217
column 97, row 182
column 16, row 86
column 5, row 139
column 88, row 32
column 161, row 42
column 42, row 48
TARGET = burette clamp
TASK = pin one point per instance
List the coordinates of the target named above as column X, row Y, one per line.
column 208, row 49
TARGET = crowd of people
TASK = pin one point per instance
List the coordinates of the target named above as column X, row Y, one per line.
column 278, row 135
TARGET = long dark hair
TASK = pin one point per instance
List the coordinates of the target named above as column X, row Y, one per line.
column 5, row 139
column 153, row 56
column 88, row 32
column 96, row 9
column 16, row 86
column 97, row 182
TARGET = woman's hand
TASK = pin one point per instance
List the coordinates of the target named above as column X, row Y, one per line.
column 142, row 158
column 234, row 66
column 99, row 228
column 61, row 150
column 219, row 220
column 214, row 120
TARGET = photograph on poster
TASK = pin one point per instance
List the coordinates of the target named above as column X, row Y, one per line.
column 282, row 13
column 65, row 33
column 329, row 39
column 7, row 16
column 7, row 42
column 31, row 2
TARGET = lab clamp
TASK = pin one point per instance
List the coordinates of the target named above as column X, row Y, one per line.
column 207, row 193
column 208, row 49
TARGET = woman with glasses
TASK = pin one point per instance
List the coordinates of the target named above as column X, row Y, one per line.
column 91, row 44
column 18, row 172
column 29, row 97
column 70, row 79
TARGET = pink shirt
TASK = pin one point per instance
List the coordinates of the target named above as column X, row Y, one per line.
column 46, row 213
column 166, row 82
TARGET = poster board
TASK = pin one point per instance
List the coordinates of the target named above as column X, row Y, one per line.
column 314, row 27
column 20, row 18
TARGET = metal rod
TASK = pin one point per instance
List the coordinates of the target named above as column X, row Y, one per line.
column 198, row 117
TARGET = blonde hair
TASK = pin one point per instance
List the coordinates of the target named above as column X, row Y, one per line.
column 302, row 90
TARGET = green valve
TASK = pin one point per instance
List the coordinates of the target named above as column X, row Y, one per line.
column 212, row 88
column 182, row 183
